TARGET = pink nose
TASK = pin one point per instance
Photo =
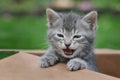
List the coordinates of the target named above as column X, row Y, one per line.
column 67, row 45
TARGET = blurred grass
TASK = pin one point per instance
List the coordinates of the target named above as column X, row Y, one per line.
column 5, row 54
column 23, row 32
column 102, row 4
column 108, row 34
column 30, row 32
column 22, row 5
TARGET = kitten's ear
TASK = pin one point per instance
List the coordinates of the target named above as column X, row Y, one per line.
column 91, row 18
column 52, row 16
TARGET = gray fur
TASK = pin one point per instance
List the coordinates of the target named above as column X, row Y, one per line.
column 70, row 25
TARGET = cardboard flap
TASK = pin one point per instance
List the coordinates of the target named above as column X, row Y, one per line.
column 23, row 66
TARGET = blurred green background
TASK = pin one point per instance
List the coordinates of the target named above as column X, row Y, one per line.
column 23, row 22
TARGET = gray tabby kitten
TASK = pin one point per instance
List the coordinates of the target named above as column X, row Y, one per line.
column 71, row 39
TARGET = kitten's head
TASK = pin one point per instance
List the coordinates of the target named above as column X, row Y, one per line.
column 70, row 33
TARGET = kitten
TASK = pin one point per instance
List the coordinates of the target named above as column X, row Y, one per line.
column 71, row 37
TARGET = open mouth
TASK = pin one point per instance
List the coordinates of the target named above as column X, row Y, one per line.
column 68, row 51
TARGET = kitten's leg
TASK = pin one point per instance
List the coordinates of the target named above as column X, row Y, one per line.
column 76, row 64
column 48, row 59
column 92, row 65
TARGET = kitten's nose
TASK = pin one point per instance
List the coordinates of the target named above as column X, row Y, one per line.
column 67, row 45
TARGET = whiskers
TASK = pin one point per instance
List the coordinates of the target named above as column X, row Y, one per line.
column 43, row 45
column 84, row 44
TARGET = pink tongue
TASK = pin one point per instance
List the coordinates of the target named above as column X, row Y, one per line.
column 67, row 51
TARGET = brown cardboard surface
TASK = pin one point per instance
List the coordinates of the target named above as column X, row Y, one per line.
column 23, row 66
column 109, row 64
column 108, row 60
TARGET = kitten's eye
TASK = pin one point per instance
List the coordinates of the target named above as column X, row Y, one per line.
column 77, row 36
column 60, row 35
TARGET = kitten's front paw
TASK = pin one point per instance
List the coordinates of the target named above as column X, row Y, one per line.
column 76, row 64
column 46, row 61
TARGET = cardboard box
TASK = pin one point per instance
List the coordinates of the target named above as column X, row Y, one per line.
column 24, row 66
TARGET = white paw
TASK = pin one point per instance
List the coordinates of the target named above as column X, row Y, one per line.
column 46, row 61
column 76, row 64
